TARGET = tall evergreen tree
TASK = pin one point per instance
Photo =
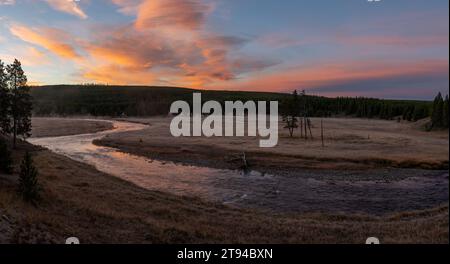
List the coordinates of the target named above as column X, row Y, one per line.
column 5, row 121
column 28, row 183
column 445, row 116
column 437, row 112
column 21, row 103
column 419, row 113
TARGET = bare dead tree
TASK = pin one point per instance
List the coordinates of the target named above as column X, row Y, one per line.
column 305, row 121
column 301, row 127
column 321, row 132
column 309, row 127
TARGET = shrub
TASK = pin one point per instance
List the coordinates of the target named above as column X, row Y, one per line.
column 28, row 183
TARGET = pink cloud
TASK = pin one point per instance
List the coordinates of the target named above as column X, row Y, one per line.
column 337, row 74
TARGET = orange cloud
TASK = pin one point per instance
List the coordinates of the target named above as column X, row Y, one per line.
column 193, row 62
column 115, row 75
column 168, row 39
column 48, row 38
column 185, row 14
column 33, row 56
column 113, row 56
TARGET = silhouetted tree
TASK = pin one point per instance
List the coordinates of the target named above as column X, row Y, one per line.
column 21, row 101
column 5, row 157
column 291, row 124
column 437, row 112
column 28, row 183
column 291, row 113
column 5, row 121
column 445, row 116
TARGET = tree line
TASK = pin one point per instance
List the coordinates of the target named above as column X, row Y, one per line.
column 316, row 106
column 102, row 100
column 300, row 104
column 298, row 108
column 15, row 101
column 439, row 112
column 15, row 120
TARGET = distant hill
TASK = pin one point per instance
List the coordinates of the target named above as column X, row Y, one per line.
column 131, row 100
column 102, row 100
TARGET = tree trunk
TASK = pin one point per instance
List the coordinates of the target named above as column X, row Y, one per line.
column 321, row 132
column 309, row 127
column 305, row 124
column 301, row 127
column 291, row 127
column 14, row 133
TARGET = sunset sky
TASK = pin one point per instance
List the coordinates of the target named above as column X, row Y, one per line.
column 389, row 49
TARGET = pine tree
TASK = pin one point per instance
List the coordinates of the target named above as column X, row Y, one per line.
column 28, row 183
column 5, row 157
column 5, row 121
column 437, row 112
column 389, row 112
column 21, row 101
column 445, row 116
column 415, row 114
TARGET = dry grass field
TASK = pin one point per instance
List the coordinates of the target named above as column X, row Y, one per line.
column 349, row 144
column 50, row 127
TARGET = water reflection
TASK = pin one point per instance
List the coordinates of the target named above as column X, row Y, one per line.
column 152, row 174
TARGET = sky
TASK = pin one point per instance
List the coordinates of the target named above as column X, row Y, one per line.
column 387, row 49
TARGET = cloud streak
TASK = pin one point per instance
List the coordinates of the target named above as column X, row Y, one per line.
column 7, row 2
column 352, row 78
column 48, row 38
column 400, row 41
column 67, row 6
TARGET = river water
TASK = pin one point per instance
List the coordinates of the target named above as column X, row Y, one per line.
column 302, row 191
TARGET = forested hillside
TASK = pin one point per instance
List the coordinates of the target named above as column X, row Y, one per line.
column 100, row 100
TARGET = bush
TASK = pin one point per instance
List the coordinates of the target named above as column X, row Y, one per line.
column 28, row 184
column 5, row 157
